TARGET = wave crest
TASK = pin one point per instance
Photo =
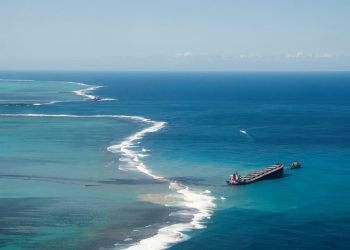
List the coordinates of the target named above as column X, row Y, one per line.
column 200, row 205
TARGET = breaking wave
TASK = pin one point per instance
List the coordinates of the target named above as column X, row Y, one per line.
column 28, row 104
column 85, row 92
column 198, row 204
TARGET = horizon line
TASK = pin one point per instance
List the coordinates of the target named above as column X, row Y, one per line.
column 173, row 71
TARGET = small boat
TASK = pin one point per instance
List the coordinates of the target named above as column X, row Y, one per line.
column 270, row 172
column 295, row 165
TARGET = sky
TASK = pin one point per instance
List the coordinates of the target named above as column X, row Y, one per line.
column 178, row 35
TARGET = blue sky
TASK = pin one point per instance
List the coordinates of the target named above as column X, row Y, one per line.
column 175, row 35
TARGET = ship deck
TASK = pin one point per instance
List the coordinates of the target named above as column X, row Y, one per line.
column 273, row 171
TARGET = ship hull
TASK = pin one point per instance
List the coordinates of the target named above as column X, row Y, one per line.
column 274, row 175
column 276, row 172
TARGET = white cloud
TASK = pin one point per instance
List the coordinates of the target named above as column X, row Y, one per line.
column 325, row 55
column 185, row 54
column 299, row 54
column 302, row 55
column 249, row 56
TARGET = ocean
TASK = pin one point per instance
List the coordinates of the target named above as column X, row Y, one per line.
column 139, row 160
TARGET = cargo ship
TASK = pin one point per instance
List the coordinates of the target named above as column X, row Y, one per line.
column 270, row 172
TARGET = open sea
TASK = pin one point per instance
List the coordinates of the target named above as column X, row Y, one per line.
column 134, row 160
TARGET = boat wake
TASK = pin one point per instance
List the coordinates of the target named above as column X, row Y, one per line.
column 243, row 132
column 198, row 204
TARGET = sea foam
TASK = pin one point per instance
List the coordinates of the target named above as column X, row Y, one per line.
column 200, row 204
column 45, row 103
column 86, row 92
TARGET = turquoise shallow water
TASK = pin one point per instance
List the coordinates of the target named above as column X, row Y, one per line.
column 29, row 92
column 58, row 181
column 49, row 163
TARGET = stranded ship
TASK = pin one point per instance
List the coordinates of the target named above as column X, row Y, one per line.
column 270, row 172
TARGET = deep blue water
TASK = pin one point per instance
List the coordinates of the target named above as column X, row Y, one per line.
column 288, row 116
